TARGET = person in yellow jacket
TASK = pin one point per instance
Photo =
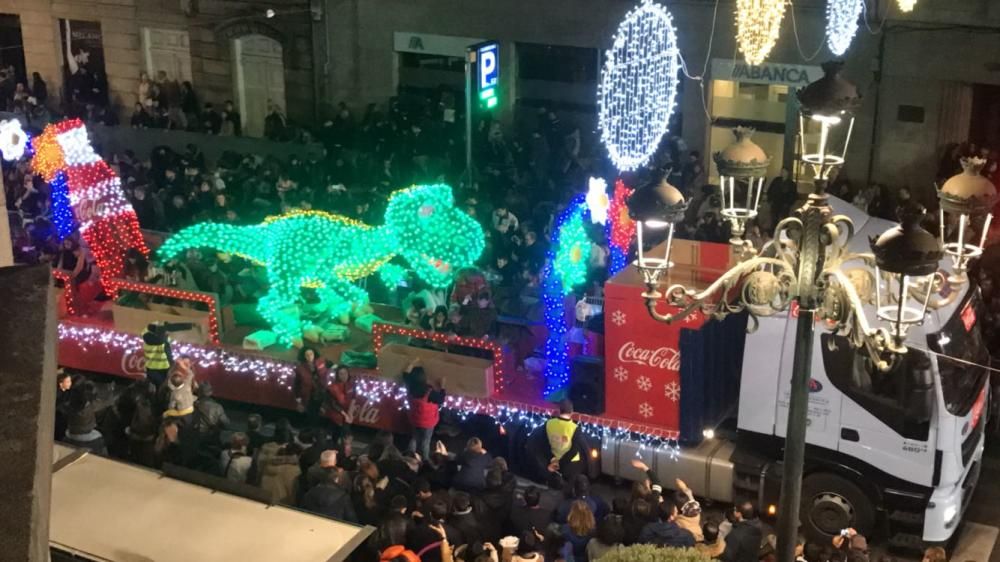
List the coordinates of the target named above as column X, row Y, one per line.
column 156, row 350
column 567, row 446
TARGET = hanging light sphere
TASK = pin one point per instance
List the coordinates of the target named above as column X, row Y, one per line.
column 638, row 86
column 967, row 199
column 842, row 24
column 906, row 257
column 742, row 171
column 758, row 23
column 907, row 5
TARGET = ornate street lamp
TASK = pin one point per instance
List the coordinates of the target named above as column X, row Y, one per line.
column 906, row 260
column 829, row 102
column 967, row 201
column 742, row 171
column 656, row 207
column 808, row 263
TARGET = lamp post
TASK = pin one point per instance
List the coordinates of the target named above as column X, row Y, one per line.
column 742, row 170
column 967, row 200
column 808, row 264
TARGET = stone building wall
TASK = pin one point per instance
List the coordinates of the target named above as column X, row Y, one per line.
column 211, row 28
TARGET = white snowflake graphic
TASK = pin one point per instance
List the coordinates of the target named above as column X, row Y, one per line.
column 672, row 391
column 621, row 374
column 644, row 383
column 645, row 410
column 618, row 317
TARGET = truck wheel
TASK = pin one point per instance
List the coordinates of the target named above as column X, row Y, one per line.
column 831, row 503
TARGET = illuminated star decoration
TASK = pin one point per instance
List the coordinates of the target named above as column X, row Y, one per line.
column 842, row 24
column 907, row 5
column 758, row 23
column 565, row 268
column 597, row 200
column 620, row 230
column 327, row 252
column 106, row 220
column 638, row 86
column 13, row 140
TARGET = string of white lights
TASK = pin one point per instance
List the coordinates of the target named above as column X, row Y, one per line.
column 798, row 43
column 864, row 18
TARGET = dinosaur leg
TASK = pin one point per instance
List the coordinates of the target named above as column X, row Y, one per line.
column 341, row 298
column 280, row 308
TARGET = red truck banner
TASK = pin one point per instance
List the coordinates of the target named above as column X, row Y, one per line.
column 234, row 376
column 643, row 359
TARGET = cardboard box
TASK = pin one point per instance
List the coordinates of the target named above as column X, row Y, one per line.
column 134, row 321
column 466, row 376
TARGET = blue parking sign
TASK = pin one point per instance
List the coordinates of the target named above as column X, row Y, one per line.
column 488, row 58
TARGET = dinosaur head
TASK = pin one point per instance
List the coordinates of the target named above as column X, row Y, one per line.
column 435, row 237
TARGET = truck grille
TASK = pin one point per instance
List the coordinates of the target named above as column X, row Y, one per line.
column 971, row 441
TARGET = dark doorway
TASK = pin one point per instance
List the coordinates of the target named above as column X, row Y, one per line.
column 985, row 127
column 12, row 69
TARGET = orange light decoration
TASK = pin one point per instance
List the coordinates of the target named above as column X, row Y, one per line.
column 107, row 221
column 380, row 330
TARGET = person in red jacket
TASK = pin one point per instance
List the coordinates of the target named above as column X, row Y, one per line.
column 338, row 406
column 310, row 380
column 425, row 406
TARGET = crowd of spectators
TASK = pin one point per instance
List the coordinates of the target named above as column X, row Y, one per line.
column 443, row 506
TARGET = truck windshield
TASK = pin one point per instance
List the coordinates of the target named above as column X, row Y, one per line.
column 963, row 356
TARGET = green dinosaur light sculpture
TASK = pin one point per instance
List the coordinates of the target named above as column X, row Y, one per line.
column 326, row 252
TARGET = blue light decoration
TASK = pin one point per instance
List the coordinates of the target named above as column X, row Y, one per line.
column 565, row 268
column 842, row 24
column 62, row 210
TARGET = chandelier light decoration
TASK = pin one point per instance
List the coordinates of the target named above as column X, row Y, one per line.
column 907, row 5
column 638, row 85
column 842, row 24
column 758, row 23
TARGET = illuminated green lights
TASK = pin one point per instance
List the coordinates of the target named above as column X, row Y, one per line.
column 488, row 98
column 325, row 252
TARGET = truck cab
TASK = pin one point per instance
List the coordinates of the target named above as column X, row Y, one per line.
column 892, row 453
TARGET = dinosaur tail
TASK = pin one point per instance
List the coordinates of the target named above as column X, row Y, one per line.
column 243, row 241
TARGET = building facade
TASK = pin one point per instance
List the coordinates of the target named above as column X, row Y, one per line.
column 228, row 50
column 919, row 73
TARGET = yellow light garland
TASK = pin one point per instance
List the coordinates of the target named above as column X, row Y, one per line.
column 758, row 23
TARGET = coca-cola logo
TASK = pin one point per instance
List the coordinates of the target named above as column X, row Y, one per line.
column 88, row 210
column 364, row 412
column 134, row 362
column 659, row 358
